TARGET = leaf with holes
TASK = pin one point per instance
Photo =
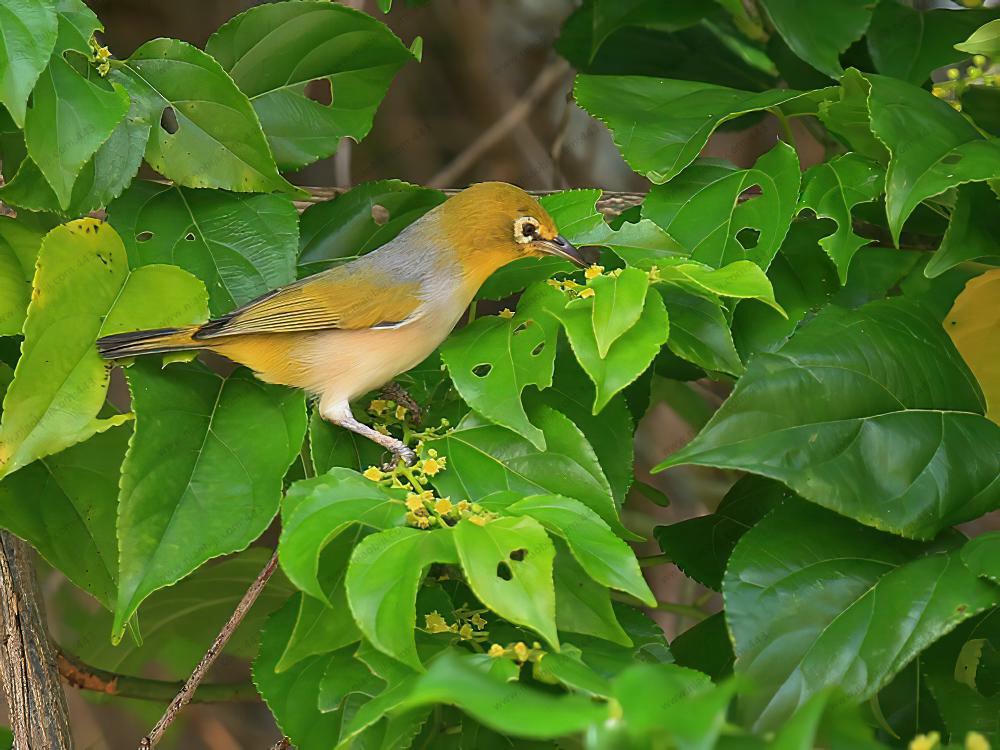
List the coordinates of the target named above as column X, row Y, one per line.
column 385, row 572
column 19, row 243
column 661, row 125
column 28, row 33
column 831, row 190
column 209, row 134
column 72, row 112
column 630, row 354
column 973, row 323
column 508, row 564
column 702, row 208
column 315, row 511
column 360, row 220
column 818, row 35
column 605, row 557
column 950, row 151
column 241, row 246
column 494, row 359
column 909, row 44
column 82, row 290
column 973, row 230
column 878, row 600
column 278, row 52
column 485, row 458
column 203, row 473
column 838, row 403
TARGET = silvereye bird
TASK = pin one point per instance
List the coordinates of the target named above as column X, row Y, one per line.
column 350, row 329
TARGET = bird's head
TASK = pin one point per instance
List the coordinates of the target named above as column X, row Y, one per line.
column 492, row 223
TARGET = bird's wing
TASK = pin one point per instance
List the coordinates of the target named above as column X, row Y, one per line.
column 331, row 299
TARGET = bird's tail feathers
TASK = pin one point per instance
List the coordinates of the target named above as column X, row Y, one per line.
column 155, row 341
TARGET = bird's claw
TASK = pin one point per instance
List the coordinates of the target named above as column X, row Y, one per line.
column 395, row 392
column 404, row 454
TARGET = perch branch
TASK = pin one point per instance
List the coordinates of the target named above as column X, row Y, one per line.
column 86, row 677
column 191, row 685
column 35, row 698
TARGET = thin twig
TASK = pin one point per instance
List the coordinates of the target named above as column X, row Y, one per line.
column 549, row 77
column 83, row 676
column 187, row 692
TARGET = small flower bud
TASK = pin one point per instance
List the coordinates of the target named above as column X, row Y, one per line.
column 506, row 313
column 496, row 651
column 373, row 473
column 587, row 293
column 953, row 74
column 979, row 61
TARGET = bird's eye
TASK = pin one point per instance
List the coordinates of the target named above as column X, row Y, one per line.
column 525, row 229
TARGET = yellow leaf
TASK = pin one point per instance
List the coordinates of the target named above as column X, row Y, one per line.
column 974, row 326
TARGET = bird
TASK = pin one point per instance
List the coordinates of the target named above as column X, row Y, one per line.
column 348, row 330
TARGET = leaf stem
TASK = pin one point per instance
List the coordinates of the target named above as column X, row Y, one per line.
column 687, row 610
column 652, row 560
column 786, row 128
column 83, row 676
column 184, row 696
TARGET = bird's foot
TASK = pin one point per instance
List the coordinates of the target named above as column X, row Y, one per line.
column 400, row 453
column 395, row 392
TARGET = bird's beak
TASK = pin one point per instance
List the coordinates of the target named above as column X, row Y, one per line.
column 562, row 248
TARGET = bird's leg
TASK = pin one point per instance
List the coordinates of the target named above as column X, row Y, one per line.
column 339, row 413
column 393, row 391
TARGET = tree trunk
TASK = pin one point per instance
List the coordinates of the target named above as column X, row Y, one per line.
column 31, row 684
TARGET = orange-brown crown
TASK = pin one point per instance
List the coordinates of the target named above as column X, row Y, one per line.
column 481, row 224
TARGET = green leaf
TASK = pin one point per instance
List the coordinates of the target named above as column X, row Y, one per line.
column 582, row 604
column 27, row 37
column 291, row 695
column 699, row 331
column 662, row 125
column 605, row 557
column 73, row 495
column 326, row 625
column 701, row 208
column 19, row 244
column 618, row 302
column 701, row 546
column 949, row 151
column 982, row 555
column 973, row 231
column 315, row 511
column 611, row 15
column 910, row 44
column 180, row 622
column 742, row 279
column 831, row 190
column 203, row 473
column 486, row 458
column 846, row 115
column 493, row 360
column 507, row 707
column 572, row 394
column 217, row 141
column 508, row 564
column 643, row 635
column 983, row 41
column 385, row 572
column 876, row 602
column 346, row 675
column 241, row 246
column 345, row 227
column 705, row 646
column 838, row 404
column 275, row 51
column 630, row 354
column 820, row 34
column 666, row 700
column 71, row 115
column 82, row 290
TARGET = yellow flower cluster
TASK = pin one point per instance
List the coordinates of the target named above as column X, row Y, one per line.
column 101, row 55
column 980, row 73
column 467, row 625
column 519, row 652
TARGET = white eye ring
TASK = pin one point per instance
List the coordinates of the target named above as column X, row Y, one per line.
column 520, row 233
